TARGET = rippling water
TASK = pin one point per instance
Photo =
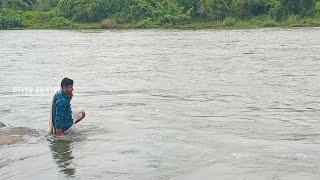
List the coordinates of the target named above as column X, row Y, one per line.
column 166, row 104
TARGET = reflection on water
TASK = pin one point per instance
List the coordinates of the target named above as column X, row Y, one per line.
column 62, row 154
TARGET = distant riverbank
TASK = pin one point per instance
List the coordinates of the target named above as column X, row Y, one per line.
column 162, row 14
column 228, row 23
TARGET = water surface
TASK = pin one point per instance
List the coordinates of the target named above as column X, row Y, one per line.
column 166, row 104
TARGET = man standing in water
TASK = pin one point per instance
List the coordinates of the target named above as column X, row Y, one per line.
column 62, row 117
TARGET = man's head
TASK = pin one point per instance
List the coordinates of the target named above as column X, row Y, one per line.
column 67, row 86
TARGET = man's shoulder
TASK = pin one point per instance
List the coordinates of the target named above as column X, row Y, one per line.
column 60, row 99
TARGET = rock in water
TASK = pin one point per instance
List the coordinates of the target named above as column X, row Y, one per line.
column 2, row 125
column 14, row 135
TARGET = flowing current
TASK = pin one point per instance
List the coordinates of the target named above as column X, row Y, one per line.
column 165, row 104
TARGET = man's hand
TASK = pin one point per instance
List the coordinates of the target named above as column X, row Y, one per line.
column 59, row 132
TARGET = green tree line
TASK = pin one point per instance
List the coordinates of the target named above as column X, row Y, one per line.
column 62, row 13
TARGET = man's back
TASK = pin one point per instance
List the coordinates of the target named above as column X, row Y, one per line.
column 61, row 111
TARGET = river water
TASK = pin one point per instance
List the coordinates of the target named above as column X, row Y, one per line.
column 165, row 104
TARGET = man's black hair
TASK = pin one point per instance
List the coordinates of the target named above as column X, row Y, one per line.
column 66, row 82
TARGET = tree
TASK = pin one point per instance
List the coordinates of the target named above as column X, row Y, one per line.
column 10, row 19
column 158, row 12
column 46, row 5
column 83, row 10
column 307, row 6
column 248, row 8
column 19, row 4
column 215, row 9
column 302, row 7
column 187, row 5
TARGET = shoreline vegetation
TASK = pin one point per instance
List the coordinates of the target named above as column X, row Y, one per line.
column 163, row 14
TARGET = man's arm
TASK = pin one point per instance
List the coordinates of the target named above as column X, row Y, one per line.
column 59, row 115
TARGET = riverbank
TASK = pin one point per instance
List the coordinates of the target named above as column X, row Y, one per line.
column 228, row 23
column 164, row 14
column 309, row 22
column 10, row 19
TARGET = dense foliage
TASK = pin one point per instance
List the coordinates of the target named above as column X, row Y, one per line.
column 10, row 19
column 150, row 13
